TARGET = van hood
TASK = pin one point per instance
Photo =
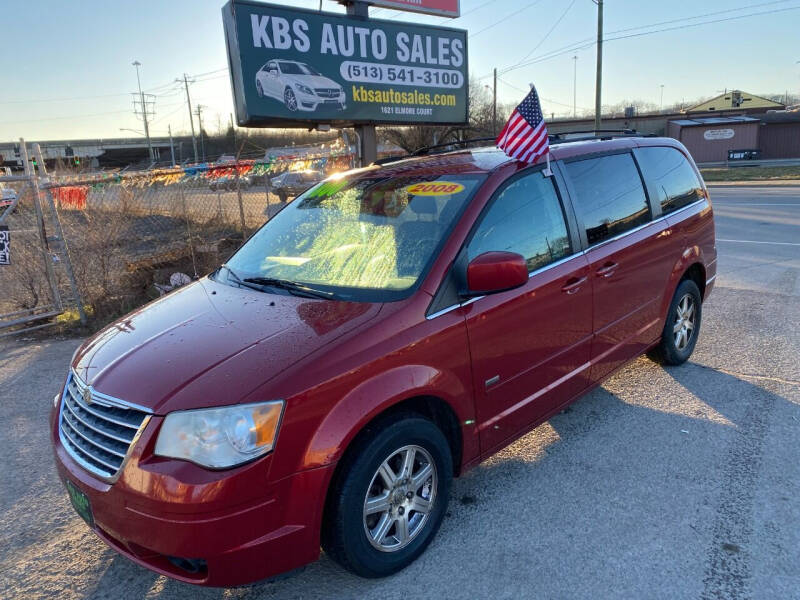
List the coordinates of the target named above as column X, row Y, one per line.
column 210, row 344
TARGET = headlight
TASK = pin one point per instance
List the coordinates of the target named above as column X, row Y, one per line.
column 220, row 437
column 304, row 89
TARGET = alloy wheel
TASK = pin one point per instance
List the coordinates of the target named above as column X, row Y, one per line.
column 400, row 498
column 685, row 319
column 290, row 100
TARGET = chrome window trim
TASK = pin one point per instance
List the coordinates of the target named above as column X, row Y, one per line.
column 643, row 225
column 561, row 261
column 110, row 476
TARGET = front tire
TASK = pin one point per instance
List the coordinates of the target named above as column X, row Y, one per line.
column 682, row 326
column 389, row 498
column 290, row 100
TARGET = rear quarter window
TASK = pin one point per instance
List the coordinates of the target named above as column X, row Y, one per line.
column 610, row 199
column 671, row 180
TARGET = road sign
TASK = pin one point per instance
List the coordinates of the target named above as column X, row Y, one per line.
column 442, row 8
column 294, row 67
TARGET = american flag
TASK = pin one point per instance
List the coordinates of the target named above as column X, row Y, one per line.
column 525, row 135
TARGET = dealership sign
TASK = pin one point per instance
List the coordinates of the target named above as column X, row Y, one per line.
column 718, row 134
column 443, row 8
column 293, row 67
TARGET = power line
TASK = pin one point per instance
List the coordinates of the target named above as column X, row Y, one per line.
column 506, row 18
column 580, row 45
column 113, row 112
column 551, row 101
column 711, row 14
column 547, row 35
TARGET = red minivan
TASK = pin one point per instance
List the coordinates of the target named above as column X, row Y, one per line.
column 386, row 331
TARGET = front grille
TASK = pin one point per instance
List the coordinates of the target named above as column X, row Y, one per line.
column 327, row 92
column 98, row 434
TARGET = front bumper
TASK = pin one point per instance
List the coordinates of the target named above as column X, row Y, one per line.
column 213, row 528
column 312, row 102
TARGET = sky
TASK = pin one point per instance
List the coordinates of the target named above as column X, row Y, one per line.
column 70, row 74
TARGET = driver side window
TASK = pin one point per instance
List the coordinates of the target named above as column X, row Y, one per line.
column 526, row 218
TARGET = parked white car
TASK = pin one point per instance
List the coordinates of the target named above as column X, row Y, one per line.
column 299, row 86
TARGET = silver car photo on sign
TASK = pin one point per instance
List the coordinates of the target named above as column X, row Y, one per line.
column 299, row 86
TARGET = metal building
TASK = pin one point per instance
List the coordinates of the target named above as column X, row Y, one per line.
column 709, row 138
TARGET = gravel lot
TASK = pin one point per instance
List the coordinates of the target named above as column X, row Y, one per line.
column 664, row 483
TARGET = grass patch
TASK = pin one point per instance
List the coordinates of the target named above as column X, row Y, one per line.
column 750, row 173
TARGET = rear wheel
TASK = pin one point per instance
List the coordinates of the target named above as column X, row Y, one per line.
column 390, row 497
column 682, row 326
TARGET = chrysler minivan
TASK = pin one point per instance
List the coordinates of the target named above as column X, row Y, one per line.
column 386, row 331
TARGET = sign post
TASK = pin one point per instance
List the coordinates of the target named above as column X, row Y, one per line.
column 302, row 68
column 367, row 138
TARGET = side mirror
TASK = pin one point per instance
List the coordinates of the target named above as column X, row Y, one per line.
column 493, row 272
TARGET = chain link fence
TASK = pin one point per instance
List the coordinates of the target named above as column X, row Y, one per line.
column 128, row 234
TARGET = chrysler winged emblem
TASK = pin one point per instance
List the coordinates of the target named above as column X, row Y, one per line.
column 87, row 395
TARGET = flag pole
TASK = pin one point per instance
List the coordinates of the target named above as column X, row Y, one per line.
column 547, row 172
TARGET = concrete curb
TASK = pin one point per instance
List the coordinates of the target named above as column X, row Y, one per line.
column 756, row 183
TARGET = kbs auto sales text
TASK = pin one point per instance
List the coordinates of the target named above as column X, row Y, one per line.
column 278, row 33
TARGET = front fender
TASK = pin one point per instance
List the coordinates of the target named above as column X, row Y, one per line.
column 375, row 395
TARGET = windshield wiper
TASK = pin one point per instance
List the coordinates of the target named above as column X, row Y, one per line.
column 258, row 283
column 242, row 282
column 293, row 287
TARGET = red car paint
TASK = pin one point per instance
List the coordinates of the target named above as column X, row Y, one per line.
column 338, row 365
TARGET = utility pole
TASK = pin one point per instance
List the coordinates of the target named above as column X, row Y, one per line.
column 367, row 140
column 598, row 85
column 662, row 98
column 137, row 64
column 233, row 130
column 494, row 104
column 191, row 119
column 171, row 145
column 575, row 86
column 200, row 108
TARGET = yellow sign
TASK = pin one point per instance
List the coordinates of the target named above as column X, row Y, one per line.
column 434, row 188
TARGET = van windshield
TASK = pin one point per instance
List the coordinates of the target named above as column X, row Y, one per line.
column 293, row 68
column 361, row 238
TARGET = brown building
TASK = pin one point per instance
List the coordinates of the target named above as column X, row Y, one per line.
column 708, row 139
column 779, row 136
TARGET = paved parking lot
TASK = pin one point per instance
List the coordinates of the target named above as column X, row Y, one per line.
column 664, row 483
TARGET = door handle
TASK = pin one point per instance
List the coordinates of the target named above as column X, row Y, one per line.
column 573, row 285
column 607, row 270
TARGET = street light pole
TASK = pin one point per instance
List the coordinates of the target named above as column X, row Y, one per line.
column 494, row 104
column 575, row 86
column 200, row 108
column 661, row 109
column 191, row 118
column 171, row 145
column 137, row 64
column 598, row 86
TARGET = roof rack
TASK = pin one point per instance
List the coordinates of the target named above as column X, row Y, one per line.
column 554, row 138
column 435, row 149
column 594, row 134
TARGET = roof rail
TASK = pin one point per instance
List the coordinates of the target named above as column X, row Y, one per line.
column 436, row 148
column 559, row 137
column 554, row 138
